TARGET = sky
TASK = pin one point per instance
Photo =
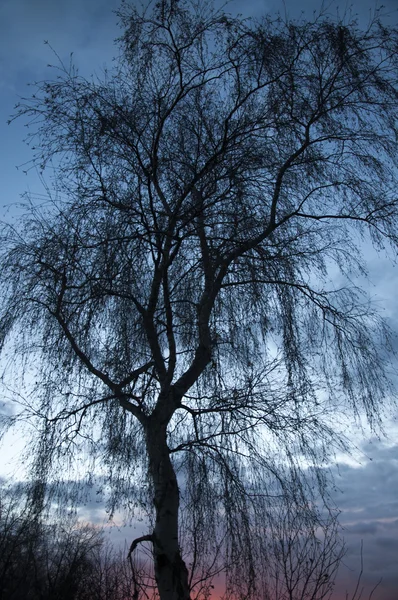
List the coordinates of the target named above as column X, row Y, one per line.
column 366, row 483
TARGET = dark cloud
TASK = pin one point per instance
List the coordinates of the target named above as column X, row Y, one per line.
column 368, row 499
column 87, row 28
column 362, row 528
column 7, row 409
column 360, row 9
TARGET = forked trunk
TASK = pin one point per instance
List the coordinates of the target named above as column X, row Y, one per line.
column 170, row 570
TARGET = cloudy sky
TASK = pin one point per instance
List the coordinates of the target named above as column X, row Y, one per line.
column 367, row 485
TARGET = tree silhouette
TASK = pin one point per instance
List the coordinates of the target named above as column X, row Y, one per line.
column 65, row 559
column 184, row 305
column 58, row 558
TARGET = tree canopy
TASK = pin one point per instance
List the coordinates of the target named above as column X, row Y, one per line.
column 184, row 305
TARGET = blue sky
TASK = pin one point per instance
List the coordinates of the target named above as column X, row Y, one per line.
column 367, row 486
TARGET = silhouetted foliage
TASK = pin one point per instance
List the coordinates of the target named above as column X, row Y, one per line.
column 58, row 558
column 61, row 558
column 184, row 305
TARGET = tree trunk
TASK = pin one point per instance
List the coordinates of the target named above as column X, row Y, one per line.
column 170, row 570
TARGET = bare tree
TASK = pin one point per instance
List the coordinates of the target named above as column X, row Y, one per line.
column 16, row 541
column 304, row 553
column 39, row 560
column 109, row 576
column 175, row 303
column 65, row 559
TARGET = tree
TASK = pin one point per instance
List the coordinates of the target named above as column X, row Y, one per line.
column 303, row 558
column 63, row 558
column 184, row 305
column 16, row 541
column 44, row 560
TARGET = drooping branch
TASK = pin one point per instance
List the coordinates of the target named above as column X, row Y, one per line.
column 134, row 544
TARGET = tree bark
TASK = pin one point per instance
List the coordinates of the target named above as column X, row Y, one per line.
column 171, row 572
